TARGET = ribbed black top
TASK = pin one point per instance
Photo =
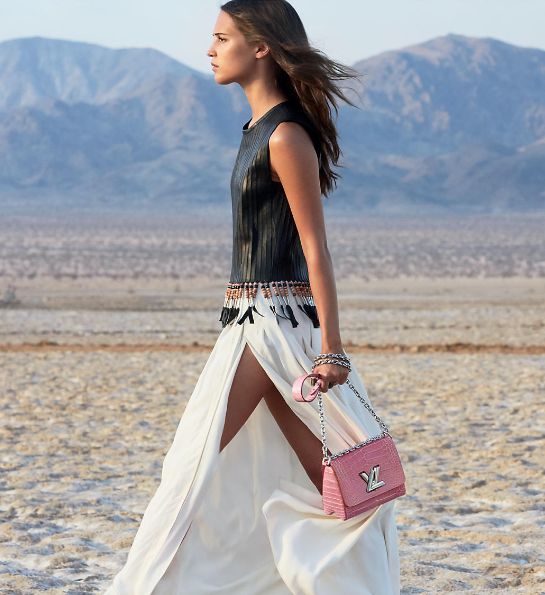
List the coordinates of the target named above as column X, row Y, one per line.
column 266, row 243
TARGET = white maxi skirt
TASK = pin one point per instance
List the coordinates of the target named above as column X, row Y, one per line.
column 248, row 520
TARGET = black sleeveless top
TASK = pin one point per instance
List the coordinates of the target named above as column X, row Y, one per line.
column 266, row 243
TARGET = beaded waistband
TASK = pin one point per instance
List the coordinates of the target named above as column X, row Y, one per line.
column 277, row 294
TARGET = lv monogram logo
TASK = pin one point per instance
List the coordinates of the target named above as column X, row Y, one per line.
column 371, row 478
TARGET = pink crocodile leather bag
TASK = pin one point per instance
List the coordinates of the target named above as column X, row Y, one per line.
column 360, row 477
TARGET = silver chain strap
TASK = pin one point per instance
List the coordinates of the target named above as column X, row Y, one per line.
column 327, row 457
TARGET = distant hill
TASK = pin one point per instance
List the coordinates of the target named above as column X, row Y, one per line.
column 452, row 124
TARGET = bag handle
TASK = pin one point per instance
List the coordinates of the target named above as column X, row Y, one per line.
column 297, row 391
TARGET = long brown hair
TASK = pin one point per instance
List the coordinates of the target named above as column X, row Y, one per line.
column 303, row 73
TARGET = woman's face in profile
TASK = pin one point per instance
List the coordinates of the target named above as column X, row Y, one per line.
column 233, row 57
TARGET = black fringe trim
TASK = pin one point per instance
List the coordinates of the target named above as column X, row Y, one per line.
column 278, row 297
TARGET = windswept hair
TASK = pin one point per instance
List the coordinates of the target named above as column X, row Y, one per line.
column 303, row 73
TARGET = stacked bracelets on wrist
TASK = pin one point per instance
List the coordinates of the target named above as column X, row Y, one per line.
column 340, row 359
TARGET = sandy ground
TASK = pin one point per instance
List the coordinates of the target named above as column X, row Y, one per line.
column 94, row 379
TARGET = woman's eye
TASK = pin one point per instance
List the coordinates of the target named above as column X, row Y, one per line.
column 222, row 38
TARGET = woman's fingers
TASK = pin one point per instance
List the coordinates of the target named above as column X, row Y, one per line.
column 331, row 376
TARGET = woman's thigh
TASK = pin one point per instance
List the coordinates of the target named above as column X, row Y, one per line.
column 305, row 444
column 250, row 384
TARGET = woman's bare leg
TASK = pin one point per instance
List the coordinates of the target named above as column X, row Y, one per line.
column 250, row 383
column 305, row 444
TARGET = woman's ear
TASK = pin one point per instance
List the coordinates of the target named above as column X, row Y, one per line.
column 262, row 51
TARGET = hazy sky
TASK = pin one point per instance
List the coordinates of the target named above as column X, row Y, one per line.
column 347, row 30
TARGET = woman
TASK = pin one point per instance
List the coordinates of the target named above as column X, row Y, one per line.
column 238, row 510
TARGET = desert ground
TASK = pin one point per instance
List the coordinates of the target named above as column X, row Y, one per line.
column 105, row 326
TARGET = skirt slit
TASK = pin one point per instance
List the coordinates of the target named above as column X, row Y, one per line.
column 248, row 520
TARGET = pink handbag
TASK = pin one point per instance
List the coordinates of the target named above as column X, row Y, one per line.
column 360, row 477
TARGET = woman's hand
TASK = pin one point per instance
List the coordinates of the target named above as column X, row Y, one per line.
column 331, row 374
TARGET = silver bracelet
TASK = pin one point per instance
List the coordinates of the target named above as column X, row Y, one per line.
column 332, row 360
column 339, row 362
column 337, row 355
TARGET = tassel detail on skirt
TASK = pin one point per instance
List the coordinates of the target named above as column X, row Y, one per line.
column 277, row 295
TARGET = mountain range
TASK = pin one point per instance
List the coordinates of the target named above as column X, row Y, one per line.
column 453, row 124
